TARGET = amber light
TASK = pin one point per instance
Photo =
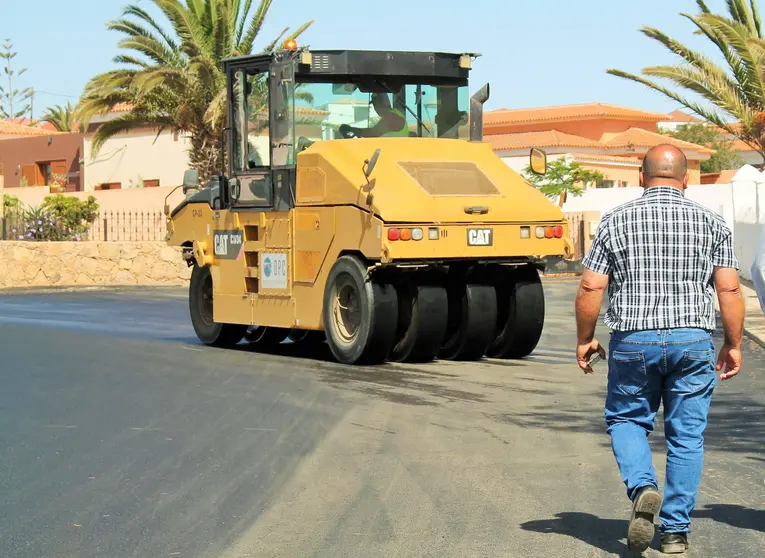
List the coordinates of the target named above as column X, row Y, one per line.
column 406, row 234
column 549, row 232
column 290, row 44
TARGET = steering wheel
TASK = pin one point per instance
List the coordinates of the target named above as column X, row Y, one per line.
column 346, row 131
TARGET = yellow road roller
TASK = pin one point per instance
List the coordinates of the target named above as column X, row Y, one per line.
column 361, row 208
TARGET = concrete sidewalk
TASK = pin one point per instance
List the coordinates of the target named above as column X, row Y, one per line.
column 755, row 320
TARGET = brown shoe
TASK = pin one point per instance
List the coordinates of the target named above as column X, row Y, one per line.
column 645, row 507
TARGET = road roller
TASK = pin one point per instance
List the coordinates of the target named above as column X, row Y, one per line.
column 358, row 206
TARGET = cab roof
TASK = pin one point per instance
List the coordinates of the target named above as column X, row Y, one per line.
column 344, row 64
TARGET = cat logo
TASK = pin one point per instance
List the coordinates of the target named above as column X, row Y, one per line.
column 480, row 237
column 228, row 245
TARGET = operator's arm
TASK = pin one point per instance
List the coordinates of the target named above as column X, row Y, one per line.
column 758, row 272
column 732, row 309
column 589, row 297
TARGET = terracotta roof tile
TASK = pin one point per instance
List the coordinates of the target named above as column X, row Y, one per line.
column 639, row 137
column 122, row 107
column 605, row 158
column 548, row 138
column 311, row 111
column 568, row 112
column 12, row 129
column 680, row 116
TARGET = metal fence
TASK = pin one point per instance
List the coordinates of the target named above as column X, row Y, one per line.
column 108, row 226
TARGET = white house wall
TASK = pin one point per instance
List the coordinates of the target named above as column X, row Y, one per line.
column 741, row 204
column 130, row 158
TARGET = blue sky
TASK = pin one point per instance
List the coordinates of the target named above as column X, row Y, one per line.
column 540, row 53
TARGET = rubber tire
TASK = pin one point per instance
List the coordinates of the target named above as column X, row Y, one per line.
column 307, row 337
column 471, row 323
column 210, row 333
column 379, row 315
column 267, row 336
column 423, row 312
column 521, row 313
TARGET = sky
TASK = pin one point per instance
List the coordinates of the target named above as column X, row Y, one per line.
column 548, row 52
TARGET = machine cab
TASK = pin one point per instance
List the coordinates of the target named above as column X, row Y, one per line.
column 282, row 103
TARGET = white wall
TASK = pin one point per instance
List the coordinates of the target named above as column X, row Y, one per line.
column 137, row 156
column 741, row 204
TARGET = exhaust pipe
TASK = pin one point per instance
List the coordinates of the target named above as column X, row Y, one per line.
column 476, row 113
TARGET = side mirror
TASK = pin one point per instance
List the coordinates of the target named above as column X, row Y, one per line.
column 190, row 180
column 234, row 190
column 369, row 165
column 538, row 161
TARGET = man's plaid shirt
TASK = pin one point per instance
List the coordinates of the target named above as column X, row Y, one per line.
column 659, row 252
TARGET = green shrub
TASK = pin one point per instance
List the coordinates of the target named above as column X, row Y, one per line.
column 58, row 218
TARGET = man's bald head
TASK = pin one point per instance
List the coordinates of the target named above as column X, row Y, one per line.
column 664, row 165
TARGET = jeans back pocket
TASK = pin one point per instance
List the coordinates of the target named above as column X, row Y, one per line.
column 697, row 369
column 629, row 371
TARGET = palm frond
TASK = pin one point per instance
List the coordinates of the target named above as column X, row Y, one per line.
column 139, row 13
column 707, row 114
column 253, row 29
column 300, row 30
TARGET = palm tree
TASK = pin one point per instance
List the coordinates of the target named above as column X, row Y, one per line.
column 62, row 118
column 735, row 94
column 174, row 79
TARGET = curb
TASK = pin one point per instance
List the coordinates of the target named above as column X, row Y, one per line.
column 756, row 339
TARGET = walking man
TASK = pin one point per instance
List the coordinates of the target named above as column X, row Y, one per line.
column 662, row 258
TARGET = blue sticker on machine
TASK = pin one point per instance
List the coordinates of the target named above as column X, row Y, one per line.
column 228, row 244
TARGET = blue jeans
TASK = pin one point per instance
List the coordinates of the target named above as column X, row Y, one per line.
column 677, row 367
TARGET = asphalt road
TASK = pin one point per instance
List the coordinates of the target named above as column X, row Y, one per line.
column 122, row 436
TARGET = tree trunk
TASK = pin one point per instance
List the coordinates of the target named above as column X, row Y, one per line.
column 204, row 154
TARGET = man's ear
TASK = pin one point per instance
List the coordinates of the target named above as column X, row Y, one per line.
column 685, row 180
column 641, row 178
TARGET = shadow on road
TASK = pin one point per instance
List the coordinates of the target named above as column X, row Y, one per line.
column 725, row 431
column 604, row 534
column 735, row 516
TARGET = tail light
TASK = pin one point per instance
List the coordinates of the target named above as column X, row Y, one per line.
column 558, row 231
column 409, row 234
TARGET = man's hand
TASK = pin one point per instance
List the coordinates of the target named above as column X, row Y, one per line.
column 729, row 361
column 585, row 351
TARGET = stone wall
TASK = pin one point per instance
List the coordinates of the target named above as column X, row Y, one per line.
column 66, row 264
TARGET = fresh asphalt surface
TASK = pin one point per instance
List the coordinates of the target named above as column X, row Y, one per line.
column 123, row 436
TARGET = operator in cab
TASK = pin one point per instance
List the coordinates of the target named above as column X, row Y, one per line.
column 392, row 121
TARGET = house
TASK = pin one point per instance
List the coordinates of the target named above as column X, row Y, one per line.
column 37, row 156
column 603, row 137
column 677, row 119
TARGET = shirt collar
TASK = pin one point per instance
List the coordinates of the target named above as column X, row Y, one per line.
column 663, row 190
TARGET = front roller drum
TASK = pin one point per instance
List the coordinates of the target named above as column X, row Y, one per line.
column 521, row 312
column 422, row 317
column 360, row 315
column 472, row 322
column 208, row 331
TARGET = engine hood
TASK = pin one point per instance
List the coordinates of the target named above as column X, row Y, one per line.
column 420, row 180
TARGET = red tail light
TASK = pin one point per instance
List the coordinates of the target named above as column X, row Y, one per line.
column 558, row 232
column 393, row 234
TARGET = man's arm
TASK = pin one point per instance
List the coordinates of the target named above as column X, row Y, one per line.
column 589, row 299
column 597, row 268
column 732, row 311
